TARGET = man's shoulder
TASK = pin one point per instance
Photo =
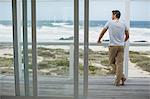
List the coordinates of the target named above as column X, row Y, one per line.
column 122, row 22
column 110, row 21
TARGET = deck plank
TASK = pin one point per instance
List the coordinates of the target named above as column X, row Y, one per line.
column 99, row 87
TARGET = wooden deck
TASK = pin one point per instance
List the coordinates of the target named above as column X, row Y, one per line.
column 99, row 87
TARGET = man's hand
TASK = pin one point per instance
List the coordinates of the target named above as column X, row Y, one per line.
column 99, row 41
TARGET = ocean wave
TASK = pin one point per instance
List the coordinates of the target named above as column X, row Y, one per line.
column 5, row 27
column 59, row 24
column 48, row 33
column 66, row 25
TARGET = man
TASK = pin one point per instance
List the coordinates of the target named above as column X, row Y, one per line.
column 118, row 34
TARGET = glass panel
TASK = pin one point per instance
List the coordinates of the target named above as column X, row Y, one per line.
column 55, row 47
column 100, row 75
column 98, row 54
column 100, row 78
column 6, row 50
column 140, row 33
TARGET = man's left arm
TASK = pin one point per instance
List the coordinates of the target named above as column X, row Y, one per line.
column 126, row 35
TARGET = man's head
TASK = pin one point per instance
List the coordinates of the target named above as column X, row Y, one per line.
column 116, row 14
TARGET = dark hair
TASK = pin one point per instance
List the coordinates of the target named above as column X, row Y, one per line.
column 117, row 13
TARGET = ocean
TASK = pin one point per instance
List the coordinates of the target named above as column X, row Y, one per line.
column 55, row 31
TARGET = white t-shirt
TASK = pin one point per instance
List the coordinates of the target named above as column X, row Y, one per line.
column 116, row 32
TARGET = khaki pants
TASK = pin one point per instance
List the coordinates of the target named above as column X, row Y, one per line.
column 116, row 57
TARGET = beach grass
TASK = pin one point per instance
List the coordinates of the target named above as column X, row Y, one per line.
column 56, row 61
column 6, row 65
column 6, row 62
column 141, row 60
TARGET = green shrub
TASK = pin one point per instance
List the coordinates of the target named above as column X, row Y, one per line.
column 30, row 66
column 46, row 54
column 8, row 54
column 60, row 62
column 43, row 65
column 64, row 68
column 138, row 58
column 92, row 68
column 144, row 65
column 6, row 62
column 134, row 52
column 29, row 51
column 139, row 53
column 103, row 53
column 80, row 67
column 90, row 51
column 59, row 50
column 93, row 72
column 105, row 62
column 42, row 49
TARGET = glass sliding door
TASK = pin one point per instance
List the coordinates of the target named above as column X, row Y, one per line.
column 101, row 76
column 46, row 43
column 55, row 48
column 46, row 47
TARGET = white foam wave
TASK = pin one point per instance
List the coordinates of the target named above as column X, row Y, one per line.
column 46, row 33
column 59, row 24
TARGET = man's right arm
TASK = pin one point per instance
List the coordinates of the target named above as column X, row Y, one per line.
column 103, row 32
column 101, row 35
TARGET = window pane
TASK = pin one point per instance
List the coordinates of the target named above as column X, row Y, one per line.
column 55, row 54
column 139, row 33
column 6, row 50
column 99, row 15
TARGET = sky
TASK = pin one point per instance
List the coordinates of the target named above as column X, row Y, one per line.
column 99, row 10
